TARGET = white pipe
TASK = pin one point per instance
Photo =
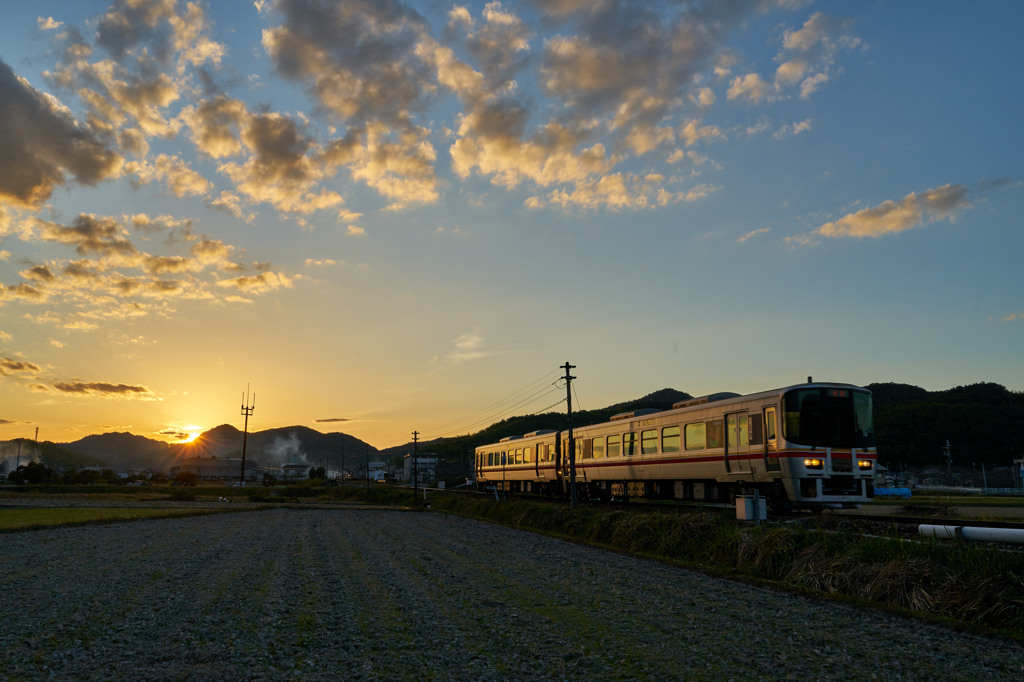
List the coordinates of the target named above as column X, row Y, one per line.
column 974, row 534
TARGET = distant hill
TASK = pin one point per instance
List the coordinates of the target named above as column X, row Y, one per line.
column 287, row 444
column 23, row 451
column 125, row 451
column 273, row 446
column 984, row 424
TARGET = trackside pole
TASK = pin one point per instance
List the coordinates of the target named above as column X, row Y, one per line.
column 572, row 443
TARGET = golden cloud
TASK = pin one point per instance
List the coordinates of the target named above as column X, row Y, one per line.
column 890, row 217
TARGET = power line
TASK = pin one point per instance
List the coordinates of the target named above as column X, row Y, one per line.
column 579, row 406
column 540, row 388
column 486, row 421
column 512, row 396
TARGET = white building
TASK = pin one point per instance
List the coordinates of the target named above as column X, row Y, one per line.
column 426, row 467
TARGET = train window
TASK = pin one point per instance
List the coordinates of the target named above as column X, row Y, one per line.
column 695, row 436
column 670, row 439
column 835, row 418
column 649, row 442
column 613, row 446
column 736, row 434
column 528, row 454
column 542, row 452
column 769, row 424
column 629, row 444
column 599, row 446
column 519, row 456
column 715, row 428
column 586, row 447
column 756, row 431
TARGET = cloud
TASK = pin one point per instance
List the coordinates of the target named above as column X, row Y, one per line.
column 999, row 183
column 114, row 280
column 157, row 26
column 355, row 55
column 216, row 125
column 752, row 233
column 176, row 174
column 500, row 44
column 41, row 145
column 750, row 87
column 809, row 53
column 890, row 217
column 9, row 366
column 105, row 390
column 332, row 419
column 175, row 434
column 265, row 281
column 91, row 234
column 615, row 85
column 280, row 171
column 468, row 346
column 359, row 59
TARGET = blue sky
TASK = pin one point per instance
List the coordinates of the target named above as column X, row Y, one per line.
column 391, row 216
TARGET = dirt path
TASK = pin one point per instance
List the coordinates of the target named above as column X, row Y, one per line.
column 342, row 594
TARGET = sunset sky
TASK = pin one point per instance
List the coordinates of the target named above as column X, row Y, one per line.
column 396, row 215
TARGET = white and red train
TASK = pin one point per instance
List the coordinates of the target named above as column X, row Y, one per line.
column 806, row 446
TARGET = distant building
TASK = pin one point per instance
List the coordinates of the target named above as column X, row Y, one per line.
column 295, row 472
column 426, row 467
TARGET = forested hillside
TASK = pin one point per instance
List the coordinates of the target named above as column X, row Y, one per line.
column 984, row 424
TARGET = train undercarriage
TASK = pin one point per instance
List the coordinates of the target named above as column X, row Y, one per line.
column 811, row 493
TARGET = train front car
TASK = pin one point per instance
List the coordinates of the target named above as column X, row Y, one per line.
column 827, row 446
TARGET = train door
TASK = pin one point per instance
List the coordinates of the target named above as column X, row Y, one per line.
column 771, row 444
column 736, row 448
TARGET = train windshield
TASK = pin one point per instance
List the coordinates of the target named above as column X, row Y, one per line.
column 829, row 418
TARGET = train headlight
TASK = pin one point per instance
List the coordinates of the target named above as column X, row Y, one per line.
column 812, row 463
column 864, row 464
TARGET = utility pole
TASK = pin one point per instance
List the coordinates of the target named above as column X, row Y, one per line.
column 415, row 465
column 247, row 409
column 572, row 441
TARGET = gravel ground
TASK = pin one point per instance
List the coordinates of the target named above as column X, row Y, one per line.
column 369, row 594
